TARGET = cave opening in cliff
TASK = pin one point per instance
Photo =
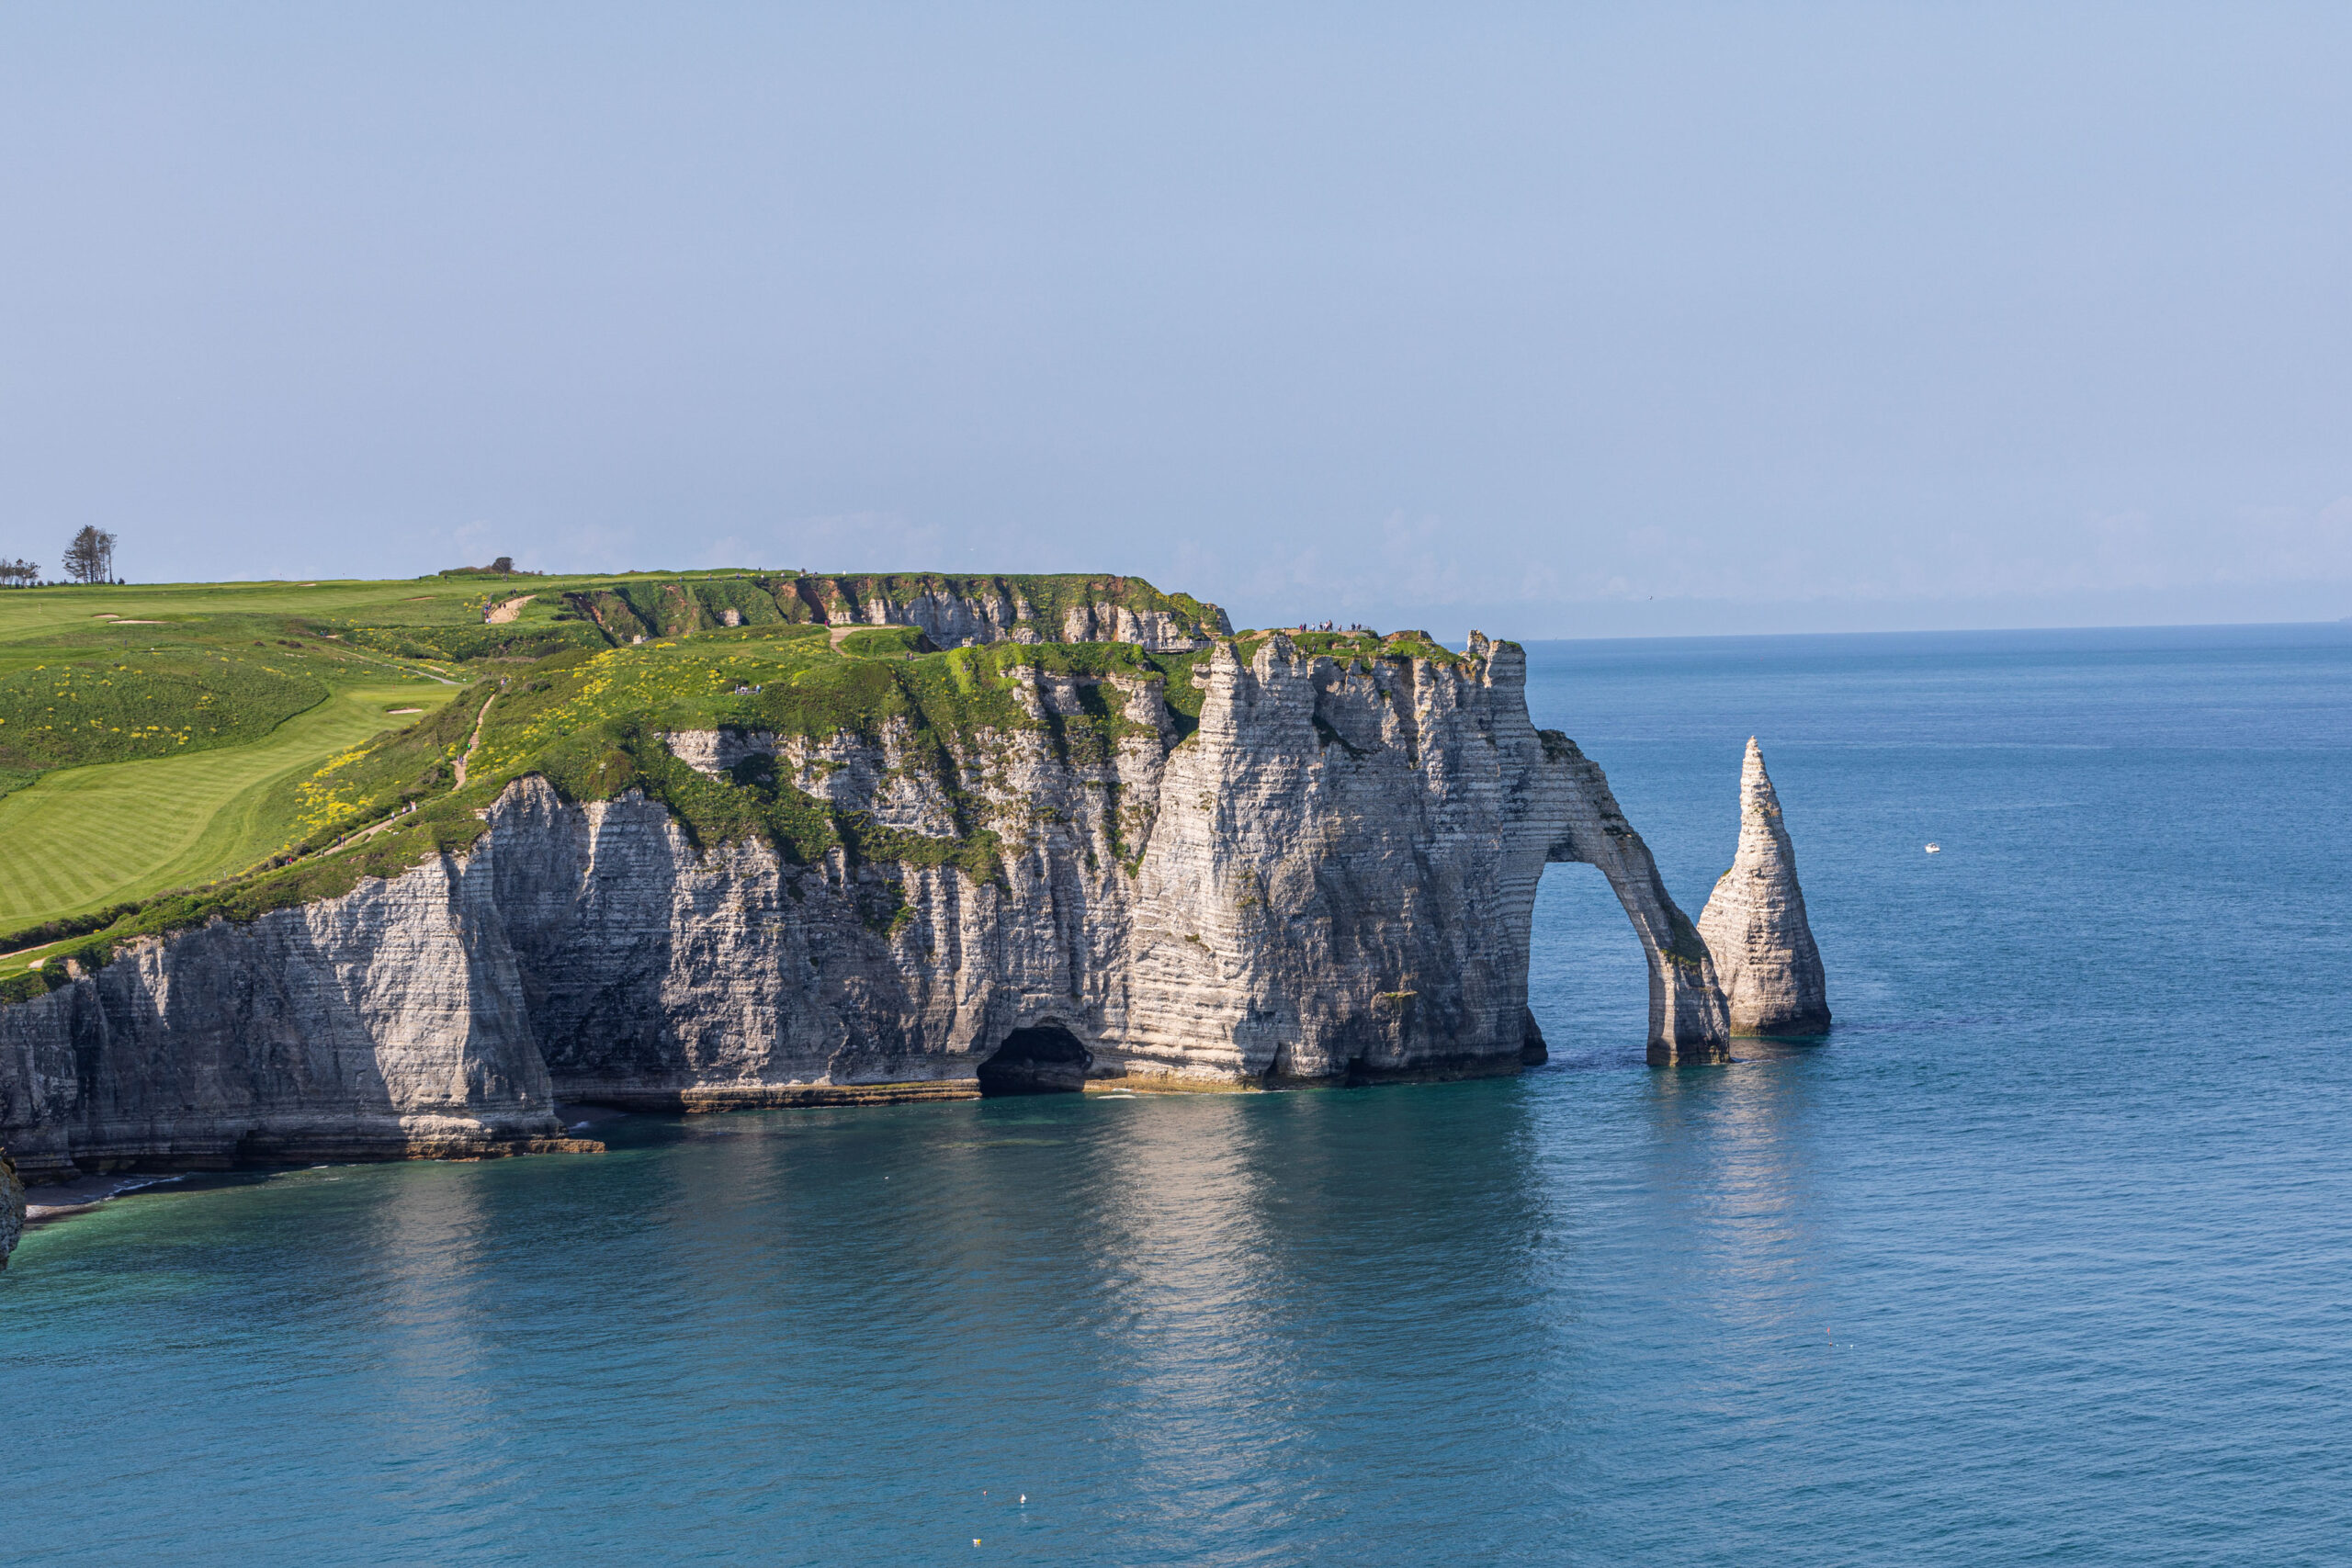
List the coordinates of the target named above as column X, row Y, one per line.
column 1043, row 1058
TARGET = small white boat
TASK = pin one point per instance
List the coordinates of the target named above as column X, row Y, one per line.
column 1935, row 849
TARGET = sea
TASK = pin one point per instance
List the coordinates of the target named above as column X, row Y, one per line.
column 2042, row 1255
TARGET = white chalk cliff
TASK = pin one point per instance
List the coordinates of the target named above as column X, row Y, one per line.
column 994, row 610
column 1755, row 922
column 1332, row 877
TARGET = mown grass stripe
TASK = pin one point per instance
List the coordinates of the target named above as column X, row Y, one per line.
column 83, row 837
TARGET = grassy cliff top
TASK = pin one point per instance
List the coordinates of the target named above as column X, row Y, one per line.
column 332, row 718
column 145, row 730
column 595, row 722
column 109, row 674
column 434, row 624
column 1365, row 646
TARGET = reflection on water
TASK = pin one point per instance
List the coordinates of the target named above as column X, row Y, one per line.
column 1493, row 1320
column 1271, row 1253
column 1183, row 1255
column 1730, row 1156
column 1199, row 1314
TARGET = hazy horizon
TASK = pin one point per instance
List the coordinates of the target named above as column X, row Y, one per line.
column 1673, row 322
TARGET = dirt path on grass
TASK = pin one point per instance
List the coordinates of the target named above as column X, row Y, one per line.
column 502, row 614
column 479, row 719
column 375, row 828
column 367, row 833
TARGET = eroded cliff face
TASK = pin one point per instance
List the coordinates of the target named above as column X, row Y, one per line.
column 995, row 610
column 1341, row 874
column 950, row 620
column 1333, row 874
column 384, row 1022
column 1755, row 923
column 12, row 1207
column 954, row 609
column 1156, row 629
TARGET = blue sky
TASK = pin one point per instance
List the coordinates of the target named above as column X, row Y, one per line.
column 1553, row 321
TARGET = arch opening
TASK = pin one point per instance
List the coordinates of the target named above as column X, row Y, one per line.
column 1043, row 1058
column 1588, row 978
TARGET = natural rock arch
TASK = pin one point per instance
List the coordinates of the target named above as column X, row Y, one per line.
column 1687, row 1020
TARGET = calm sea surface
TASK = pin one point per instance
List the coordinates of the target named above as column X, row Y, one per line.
column 2046, row 1256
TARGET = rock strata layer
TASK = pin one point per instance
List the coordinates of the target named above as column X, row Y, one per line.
column 994, row 610
column 1332, row 876
column 1755, row 922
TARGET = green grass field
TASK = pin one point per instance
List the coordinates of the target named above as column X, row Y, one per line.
column 82, row 839
column 148, row 735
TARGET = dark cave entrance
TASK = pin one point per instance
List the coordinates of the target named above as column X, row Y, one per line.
column 1045, row 1058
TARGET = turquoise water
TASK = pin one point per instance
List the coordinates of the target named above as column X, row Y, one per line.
column 2045, row 1256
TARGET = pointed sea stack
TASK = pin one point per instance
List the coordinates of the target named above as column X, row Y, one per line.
column 1755, row 926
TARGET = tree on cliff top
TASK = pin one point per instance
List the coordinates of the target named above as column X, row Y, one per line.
column 90, row 557
column 502, row 567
